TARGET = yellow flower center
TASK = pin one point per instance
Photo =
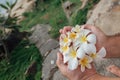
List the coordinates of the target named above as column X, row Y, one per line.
column 65, row 48
column 73, row 54
column 72, row 35
column 84, row 61
column 83, row 39
column 65, row 40
column 93, row 55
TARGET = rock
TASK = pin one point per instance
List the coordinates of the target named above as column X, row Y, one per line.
column 49, row 45
column 48, row 48
column 103, row 63
column 106, row 16
column 48, row 68
column 58, row 76
column 67, row 7
column 22, row 6
column 40, row 36
column 84, row 2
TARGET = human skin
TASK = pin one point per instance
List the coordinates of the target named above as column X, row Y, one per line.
column 112, row 45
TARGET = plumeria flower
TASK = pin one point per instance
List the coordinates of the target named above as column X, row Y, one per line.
column 100, row 54
column 85, row 62
column 85, row 37
column 64, row 40
column 90, row 49
column 72, row 35
column 76, row 29
column 73, row 61
column 64, row 49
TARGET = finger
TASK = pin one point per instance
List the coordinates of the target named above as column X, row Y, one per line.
column 60, row 31
column 59, row 61
column 67, row 28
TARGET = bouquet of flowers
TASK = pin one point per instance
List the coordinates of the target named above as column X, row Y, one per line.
column 78, row 48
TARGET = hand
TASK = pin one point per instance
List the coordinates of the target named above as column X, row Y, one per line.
column 65, row 29
column 101, row 37
column 74, row 74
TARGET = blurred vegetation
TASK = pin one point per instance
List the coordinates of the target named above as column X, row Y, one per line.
column 51, row 12
column 81, row 16
column 19, row 60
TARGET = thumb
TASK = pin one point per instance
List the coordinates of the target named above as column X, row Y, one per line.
column 59, row 59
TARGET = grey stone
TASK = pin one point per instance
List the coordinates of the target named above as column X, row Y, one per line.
column 106, row 16
column 67, row 7
column 49, row 45
column 40, row 35
column 58, row 76
column 101, row 65
column 21, row 7
column 47, row 66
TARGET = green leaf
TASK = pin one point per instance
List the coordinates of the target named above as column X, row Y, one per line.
column 3, row 6
column 7, row 3
column 13, row 4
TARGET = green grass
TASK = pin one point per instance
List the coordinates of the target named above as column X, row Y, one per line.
column 19, row 60
column 81, row 16
column 51, row 12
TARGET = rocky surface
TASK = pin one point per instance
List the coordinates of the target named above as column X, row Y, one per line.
column 22, row 6
column 106, row 16
column 68, row 9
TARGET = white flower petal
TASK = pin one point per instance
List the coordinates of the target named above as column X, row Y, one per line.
column 82, row 68
column 91, row 38
column 77, row 26
column 88, row 66
column 80, row 53
column 89, row 48
column 85, row 32
column 73, row 64
column 102, row 52
column 66, row 58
